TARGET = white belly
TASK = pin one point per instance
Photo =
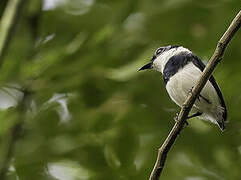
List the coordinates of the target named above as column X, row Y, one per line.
column 180, row 84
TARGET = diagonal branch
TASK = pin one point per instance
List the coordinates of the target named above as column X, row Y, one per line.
column 186, row 107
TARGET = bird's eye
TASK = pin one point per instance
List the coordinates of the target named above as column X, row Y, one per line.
column 159, row 50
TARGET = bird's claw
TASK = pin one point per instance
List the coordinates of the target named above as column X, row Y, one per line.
column 190, row 90
column 176, row 119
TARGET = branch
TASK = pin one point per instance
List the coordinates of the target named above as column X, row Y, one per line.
column 186, row 107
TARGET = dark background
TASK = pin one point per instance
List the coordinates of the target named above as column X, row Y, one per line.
column 92, row 115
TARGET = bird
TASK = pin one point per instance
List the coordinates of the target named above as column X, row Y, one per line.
column 181, row 69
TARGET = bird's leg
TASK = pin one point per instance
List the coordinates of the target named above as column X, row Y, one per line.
column 189, row 117
column 198, row 97
column 194, row 115
column 176, row 118
column 190, row 90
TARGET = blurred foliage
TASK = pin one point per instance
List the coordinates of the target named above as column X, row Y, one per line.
column 92, row 115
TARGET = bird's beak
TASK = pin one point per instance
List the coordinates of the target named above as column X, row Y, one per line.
column 146, row 66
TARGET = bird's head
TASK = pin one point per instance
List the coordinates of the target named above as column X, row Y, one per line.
column 162, row 55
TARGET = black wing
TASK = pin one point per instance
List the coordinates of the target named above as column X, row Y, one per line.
column 198, row 63
column 173, row 65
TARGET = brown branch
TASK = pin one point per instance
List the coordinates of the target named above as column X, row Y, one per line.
column 186, row 107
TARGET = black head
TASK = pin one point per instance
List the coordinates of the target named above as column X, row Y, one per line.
column 158, row 52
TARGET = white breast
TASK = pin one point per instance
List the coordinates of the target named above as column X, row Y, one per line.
column 180, row 84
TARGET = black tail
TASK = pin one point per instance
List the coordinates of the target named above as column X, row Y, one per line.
column 221, row 125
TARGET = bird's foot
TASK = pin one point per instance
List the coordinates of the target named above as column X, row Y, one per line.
column 190, row 90
column 176, row 119
column 194, row 115
column 199, row 96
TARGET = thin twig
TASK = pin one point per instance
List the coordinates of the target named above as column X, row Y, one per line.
column 186, row 107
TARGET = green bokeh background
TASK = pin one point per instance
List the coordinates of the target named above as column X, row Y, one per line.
column 88, row 52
